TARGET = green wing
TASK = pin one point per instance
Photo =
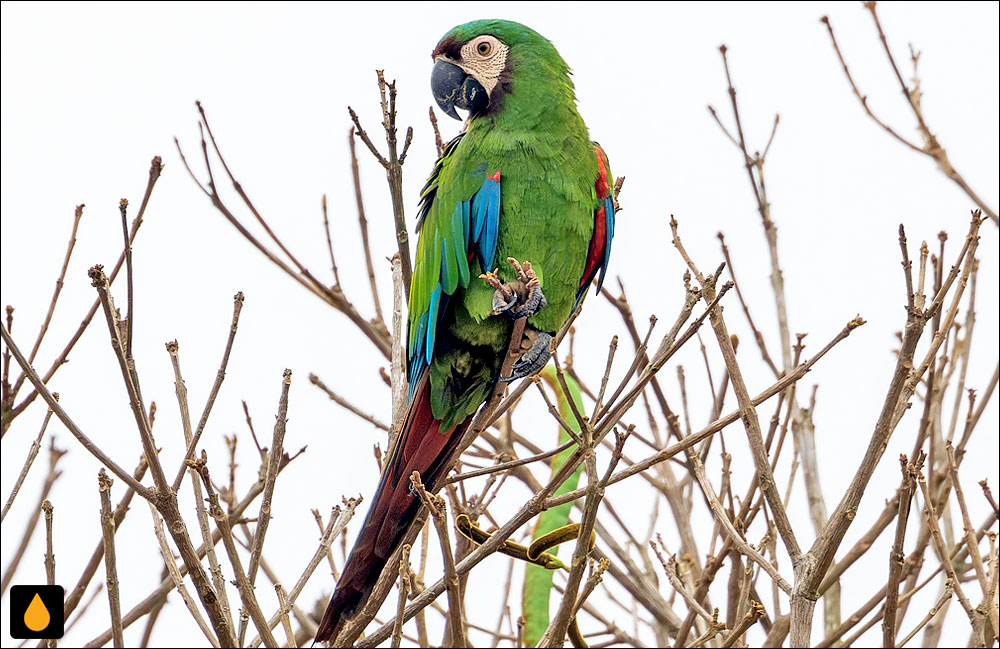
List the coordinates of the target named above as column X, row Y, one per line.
column 458, row 221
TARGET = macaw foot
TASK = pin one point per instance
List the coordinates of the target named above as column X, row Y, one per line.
column 520, row 298
column 534, row 358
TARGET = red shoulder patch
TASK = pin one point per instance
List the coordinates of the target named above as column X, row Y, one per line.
column 596, row 251
column 603, row 184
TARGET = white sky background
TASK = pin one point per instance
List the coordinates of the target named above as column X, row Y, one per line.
column 91, row 92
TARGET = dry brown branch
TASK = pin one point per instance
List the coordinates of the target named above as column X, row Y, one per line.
column 910, row 567
column 242, row 582
column 218, row 580
column 334, row 529
column 399, row 383
column 988, row 494
column 77, row 215
column 905, row 379
column 755, row 613
column 750, row 421
column 178, row 581
column 564, row 619
column 756, row 164
column 83, row 609
column 50, row 558
column 949, row 590
column 10, row 413
column 393, row 166
column 32, row 453
column 329, row 245
column 334, row 298
column 456, row 614
column 404, row 589
column 344, row 403
column 53, row 474
column 164, row 498
column 220, row 375
column 896, row 556
column 6, row 398
column 734, row 535
column 110, row 564
column 931, row 147
column 931, row 517
column 969, row 532
column 438, row 142
column 273, row 463
column 716, row 426
column 74, row 596
column 363, row 224
column 758, row 336
column 670, row 569
column 157, row 596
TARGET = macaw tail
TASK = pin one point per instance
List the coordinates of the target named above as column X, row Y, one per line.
column 420, row 446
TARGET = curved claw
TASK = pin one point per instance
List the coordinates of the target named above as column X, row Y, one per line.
column 533, row 360
column 501, row 303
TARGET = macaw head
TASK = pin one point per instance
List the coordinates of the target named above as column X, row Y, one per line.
column 478, row 65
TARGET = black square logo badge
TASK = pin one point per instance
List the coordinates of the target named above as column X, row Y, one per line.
column 36, row 612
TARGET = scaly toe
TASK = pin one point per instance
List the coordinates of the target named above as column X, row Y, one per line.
column 532, row 304
column 532, row 360
column 501, row 303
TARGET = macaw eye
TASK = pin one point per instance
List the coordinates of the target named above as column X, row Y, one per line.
column 484, row 47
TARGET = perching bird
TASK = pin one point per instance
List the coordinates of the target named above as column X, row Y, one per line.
column 523, row 181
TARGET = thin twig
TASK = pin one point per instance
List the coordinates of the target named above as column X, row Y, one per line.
column 931, row 148
column 329, row 244
column 404, row 589
column 285, row 622
column 393, row 165
column 363, row 224
column 32, row 453
column 53, row 474
column 213, row 561
column 178, row 581
column 242, row 582
column 50, row 557
column 74, row 596
column 273, row 463
column 334, row 529
column 110, row 565
column 220, row 375
column 896, row 556
column 157, row 596
column 77, row 215
column 949, row 590
column 156, row 167
column 344, row 403
column 456, row 615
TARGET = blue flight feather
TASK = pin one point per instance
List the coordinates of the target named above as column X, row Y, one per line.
column 609, row 220
column 474, row 222
column 432, row 322
column 491, row 206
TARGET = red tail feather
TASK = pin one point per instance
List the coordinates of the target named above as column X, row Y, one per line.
column 421, row 446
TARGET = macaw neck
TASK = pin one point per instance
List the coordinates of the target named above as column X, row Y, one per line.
column 537, row 100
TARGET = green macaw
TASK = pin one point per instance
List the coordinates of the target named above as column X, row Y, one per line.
column 523, row 181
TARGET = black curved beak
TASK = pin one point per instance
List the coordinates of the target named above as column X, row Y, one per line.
column 454, row 88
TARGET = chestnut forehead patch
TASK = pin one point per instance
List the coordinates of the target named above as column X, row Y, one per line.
column 448, row 47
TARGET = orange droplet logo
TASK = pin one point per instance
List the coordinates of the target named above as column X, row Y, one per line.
column 36, row 617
